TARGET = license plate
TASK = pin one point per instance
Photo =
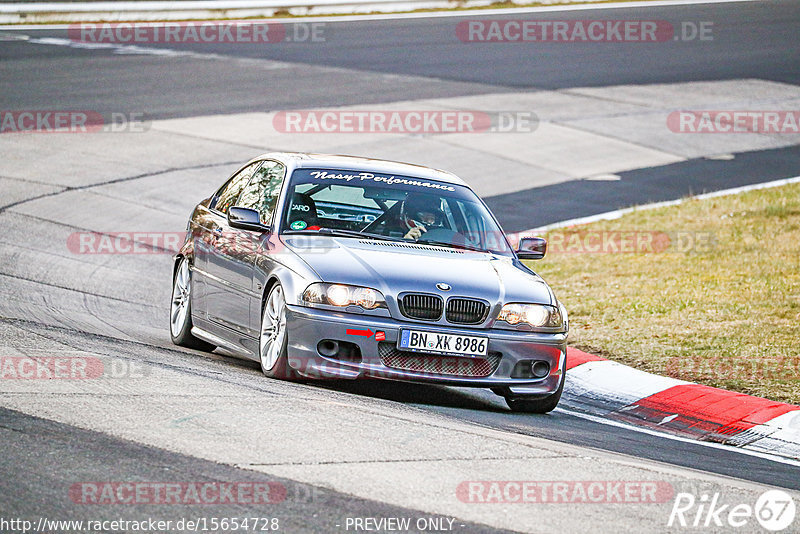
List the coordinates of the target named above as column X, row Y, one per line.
column 455, row 344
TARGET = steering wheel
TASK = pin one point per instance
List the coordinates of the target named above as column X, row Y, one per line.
column 444, row 235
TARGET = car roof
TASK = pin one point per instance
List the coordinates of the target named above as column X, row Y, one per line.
column 357, row 163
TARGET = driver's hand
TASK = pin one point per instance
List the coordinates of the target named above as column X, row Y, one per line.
column 415, row 233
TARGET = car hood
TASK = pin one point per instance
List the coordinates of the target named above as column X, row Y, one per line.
column 394, row 268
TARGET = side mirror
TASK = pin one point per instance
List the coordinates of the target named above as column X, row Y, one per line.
column 532, row 248
column 245, row 219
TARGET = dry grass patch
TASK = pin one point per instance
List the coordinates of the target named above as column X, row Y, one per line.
column 720, row 305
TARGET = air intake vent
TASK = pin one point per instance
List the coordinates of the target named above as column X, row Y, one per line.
column 394, row 244
column 421, row 306
column 466, row 311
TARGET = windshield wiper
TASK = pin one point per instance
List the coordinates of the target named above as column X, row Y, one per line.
column 339, row 232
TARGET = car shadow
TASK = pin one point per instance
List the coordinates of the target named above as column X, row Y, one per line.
column 424, row 394
column 406, row 392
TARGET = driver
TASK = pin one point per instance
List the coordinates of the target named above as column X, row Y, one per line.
column 419, row 213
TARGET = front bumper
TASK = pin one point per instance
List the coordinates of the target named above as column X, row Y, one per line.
column 308, row 326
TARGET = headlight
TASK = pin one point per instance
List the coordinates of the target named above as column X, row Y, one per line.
column 340, row 295
column 535, row 315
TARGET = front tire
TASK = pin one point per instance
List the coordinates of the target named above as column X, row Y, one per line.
column 522, row 404
column 273, row 343
column 180, row 312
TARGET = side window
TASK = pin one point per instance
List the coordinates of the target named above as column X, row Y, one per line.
column 230, row 191
column 261, row 193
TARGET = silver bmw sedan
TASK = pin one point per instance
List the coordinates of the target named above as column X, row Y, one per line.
column 322, row 266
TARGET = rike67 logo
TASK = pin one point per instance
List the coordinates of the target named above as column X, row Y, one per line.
column 774, row 510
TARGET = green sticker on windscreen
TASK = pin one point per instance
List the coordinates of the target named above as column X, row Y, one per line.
column 298, row 225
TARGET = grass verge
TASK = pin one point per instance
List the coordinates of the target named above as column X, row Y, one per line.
column 706, row 291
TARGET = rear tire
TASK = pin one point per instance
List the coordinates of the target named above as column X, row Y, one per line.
column 180, row 311
column 522, row 404
column 273, row 343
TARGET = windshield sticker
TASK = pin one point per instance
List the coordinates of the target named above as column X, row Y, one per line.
column 298, row 225
column 389, row 180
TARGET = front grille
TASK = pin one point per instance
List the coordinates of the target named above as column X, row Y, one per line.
column 466, row 311
column 421, row 306
column 437, row 364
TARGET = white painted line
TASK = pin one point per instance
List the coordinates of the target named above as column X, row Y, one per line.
column 118, row 48
column 434, row 15
column 616, row 214
column 127, row 49
column 710, row 444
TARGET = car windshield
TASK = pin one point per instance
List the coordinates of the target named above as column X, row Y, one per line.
column 380, row 206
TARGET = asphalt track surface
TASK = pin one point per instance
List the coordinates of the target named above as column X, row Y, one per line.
column 759, row 41
column 751, row 40
column 91, row 456
column 385, row 61
column 583, row 198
